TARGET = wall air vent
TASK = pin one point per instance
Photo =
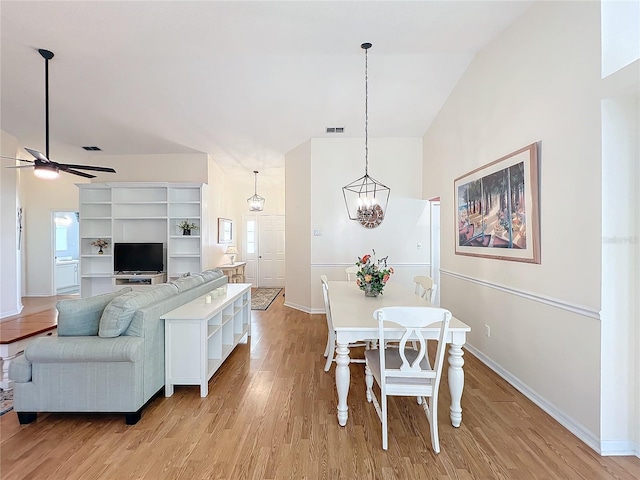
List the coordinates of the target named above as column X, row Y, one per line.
column 93, row 149
column 335, row 129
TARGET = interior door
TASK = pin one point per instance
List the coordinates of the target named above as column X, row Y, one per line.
column 271, row 251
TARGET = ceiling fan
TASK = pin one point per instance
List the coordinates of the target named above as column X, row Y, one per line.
column 42, row 165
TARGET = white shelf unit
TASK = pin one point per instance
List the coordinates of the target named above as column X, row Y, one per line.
column 95, row 223
column 139, row 212
column 199, row 336
column 186, row 252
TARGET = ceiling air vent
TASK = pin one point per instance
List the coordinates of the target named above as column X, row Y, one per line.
column 335, row 129
column 93, row 149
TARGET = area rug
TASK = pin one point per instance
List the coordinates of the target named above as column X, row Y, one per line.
column 6, row 401
column 261, row 298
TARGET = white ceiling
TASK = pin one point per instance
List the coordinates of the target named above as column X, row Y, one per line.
column 243, row 81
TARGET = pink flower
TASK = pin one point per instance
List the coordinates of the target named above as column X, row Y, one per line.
column 367, row 278
column 391, row 270
column 366, row 258
column 358, row 282
column 385, row 279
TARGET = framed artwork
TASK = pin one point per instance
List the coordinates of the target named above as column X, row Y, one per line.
column 225, row 230
column 497, row 209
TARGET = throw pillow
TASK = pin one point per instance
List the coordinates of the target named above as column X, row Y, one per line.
column 117, row 316
column 81, row 317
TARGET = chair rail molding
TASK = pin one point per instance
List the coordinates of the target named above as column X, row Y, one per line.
column 554, row 302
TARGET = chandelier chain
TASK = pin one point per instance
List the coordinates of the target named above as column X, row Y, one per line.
column 366, row 112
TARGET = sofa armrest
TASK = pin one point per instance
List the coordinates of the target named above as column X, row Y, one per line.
column 84, row 349
column 20, row 370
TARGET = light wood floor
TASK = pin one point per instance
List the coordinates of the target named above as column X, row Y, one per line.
column 271, row 414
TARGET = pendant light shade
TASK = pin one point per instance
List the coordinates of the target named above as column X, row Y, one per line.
column 256, row 202
column 366, row 198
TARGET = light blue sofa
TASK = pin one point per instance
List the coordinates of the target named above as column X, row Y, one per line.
column 109, row 353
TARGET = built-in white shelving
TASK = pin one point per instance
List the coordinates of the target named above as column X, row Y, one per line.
column 139, row 212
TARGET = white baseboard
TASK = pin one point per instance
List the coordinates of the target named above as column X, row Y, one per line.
column 612, row 448
column 570, row 424
column 297, row 307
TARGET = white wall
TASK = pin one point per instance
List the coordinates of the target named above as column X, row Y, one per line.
column 522, row 88
column 620, row 313
column 338, row 241
column 10, row 288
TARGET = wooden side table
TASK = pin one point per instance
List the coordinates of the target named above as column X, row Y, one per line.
column 235, row 271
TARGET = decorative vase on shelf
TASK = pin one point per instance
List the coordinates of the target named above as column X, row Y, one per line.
column 100, row 252
column 186, row 231
column 369, row 291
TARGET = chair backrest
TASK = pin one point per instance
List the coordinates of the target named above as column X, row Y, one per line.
column 425, row 288
column 327, row 306
column 351, row 272
column 412, row 365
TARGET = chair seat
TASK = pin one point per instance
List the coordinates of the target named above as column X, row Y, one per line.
column 393, row 360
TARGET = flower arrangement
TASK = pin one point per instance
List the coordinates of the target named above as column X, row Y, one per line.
column 185, row 225
column 100, row 243
column 373, row 275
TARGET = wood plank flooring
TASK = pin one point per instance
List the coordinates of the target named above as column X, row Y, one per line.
column 38, row 315
column 271, row 414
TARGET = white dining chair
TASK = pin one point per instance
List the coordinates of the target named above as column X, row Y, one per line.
column 351, row 272
column 425, row 288
column 330, row 349
column 404, row 371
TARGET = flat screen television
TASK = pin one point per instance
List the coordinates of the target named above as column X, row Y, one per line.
column 138, row 257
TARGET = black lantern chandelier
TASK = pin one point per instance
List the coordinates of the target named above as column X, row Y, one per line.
column 256, row 202
column 366, row 199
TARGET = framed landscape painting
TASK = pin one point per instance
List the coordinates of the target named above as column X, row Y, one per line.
column 497, row 209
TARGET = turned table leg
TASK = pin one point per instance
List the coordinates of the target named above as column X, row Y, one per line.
column 343, row 377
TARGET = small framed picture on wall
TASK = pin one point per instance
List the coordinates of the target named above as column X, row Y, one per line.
column 225, row 230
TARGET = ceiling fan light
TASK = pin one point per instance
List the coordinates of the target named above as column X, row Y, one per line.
column 47, row 173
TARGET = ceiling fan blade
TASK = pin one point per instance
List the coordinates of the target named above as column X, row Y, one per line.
column 75, row 172
column 38, row 155
column 89, row 167
column 20, row 166
column 14, row 158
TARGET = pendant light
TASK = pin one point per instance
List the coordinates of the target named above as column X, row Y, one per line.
column 256, row 202
column 366, row 199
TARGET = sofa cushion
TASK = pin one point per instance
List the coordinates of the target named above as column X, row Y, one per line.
column 187, row 283
column 81, row 317
column 117, row 316
column 87, row 349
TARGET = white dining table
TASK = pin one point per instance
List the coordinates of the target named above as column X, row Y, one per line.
column 353, row 321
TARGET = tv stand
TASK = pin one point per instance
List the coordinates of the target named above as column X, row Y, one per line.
column 138, row 279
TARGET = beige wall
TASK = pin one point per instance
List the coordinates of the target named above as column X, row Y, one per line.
column 320, row 237
column 525, row 87
column 298, row 226
column 41, row 199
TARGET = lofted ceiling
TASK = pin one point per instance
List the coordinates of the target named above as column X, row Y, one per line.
column 242, row 81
